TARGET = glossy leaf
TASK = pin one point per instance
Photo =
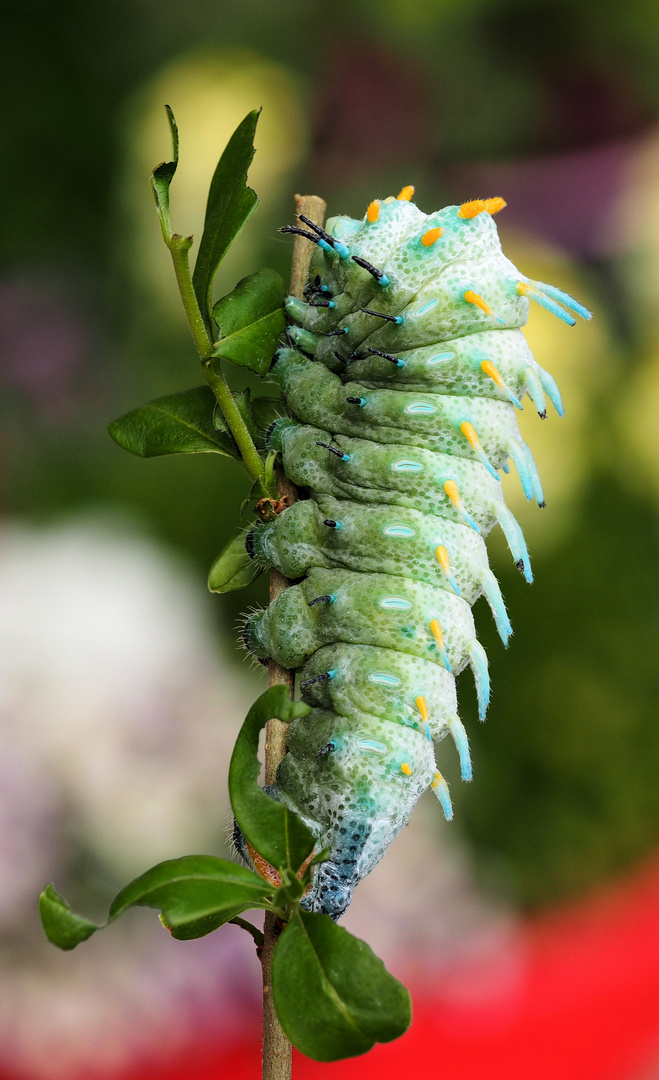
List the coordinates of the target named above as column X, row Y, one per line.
column 250, row 320
column 230, row 206
column 206, row 925
column 183, row 423
column 62, row 926
column 292, row 888
column 162, row 176
column 271, row 828
column 186, row 890
column 233, row 568
column 334, row 998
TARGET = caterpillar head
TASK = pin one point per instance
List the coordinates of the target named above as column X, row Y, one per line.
column 355, row 789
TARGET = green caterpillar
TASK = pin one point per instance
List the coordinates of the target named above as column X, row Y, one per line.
column 406, row 365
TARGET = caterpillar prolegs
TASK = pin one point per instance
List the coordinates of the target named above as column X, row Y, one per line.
column 405, row 368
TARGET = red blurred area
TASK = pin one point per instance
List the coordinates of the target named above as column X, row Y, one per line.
column 584, row 1005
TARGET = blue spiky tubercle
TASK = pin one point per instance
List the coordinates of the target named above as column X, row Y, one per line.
column 405, row 368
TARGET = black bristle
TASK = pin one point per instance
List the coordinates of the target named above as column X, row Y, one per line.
column 341, row 358
column 327, row 237
column 249, row 544
column 320, row 600
column 381, row 315
column 318, row 678
column 354, row 400
column 330, row 522
column 377, row 274
column 332, row 449
column 321, row 303
column 384, row 355
column 336, row 333
column 299, row 232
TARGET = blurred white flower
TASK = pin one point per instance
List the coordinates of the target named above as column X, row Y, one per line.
column 118, row 713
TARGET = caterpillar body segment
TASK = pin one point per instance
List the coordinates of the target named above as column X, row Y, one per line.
column 405, row 367
column 360, row 776
column 370, row 538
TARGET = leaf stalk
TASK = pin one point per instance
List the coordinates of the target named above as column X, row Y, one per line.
column 179, row 247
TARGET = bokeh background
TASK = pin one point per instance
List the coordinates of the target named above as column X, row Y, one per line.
column 528, row 929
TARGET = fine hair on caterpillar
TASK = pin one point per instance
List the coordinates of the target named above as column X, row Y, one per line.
column 404, row 372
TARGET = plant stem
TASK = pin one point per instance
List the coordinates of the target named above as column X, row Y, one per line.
column 179, row 247
column 277, row 1050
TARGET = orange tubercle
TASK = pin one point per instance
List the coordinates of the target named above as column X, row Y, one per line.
column 473, row 298
column 451, row 489
column 405, row 768
column 488, row 367
column 470, row 435
column 429, row 238
column 373, row 211
column 436, row 631
column 422, row 706
column 405, row 194
column 442, row 555
column 472, row 209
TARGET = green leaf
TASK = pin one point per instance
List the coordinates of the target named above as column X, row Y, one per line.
column 230, row 206
column 272, row 829
column 265, row 410
column 62, row 926
column 291, row 889
column 250, row 320
column 233, row 568
column 200, row 927
column 333, row 997
column 182, row 423
column 191, row 887
column 162, row 176
column 186, row 890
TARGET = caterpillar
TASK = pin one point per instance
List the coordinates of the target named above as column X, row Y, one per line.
column 404, row 367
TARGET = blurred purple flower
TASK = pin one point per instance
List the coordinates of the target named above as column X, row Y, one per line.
column 43, row 342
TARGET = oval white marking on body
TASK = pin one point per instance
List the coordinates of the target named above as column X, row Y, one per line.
column 399, row 531
column 439, row 357
column 374, row 745
column 428, row 307
column 384, row 678
column 420, row 408
column 395, row 603
column 407, row 465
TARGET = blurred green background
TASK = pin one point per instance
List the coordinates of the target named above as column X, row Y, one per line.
column 553, row 105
